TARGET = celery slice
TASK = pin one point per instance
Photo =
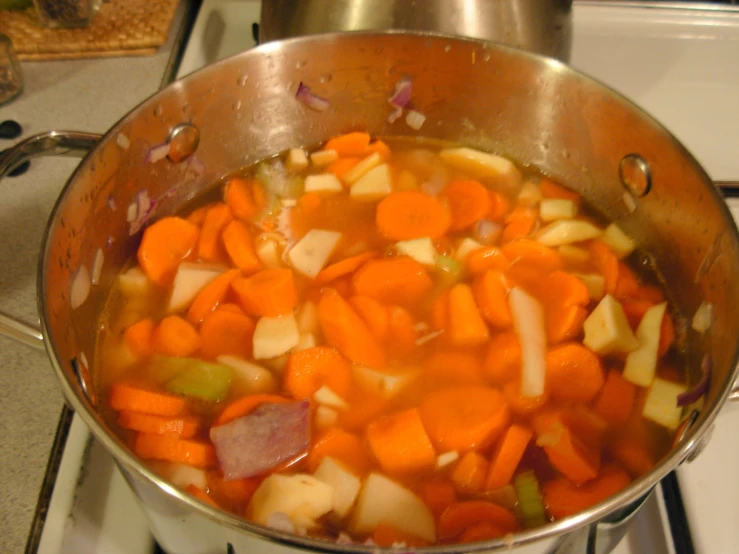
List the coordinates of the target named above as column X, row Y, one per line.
column 448, row 269
column 530, row 502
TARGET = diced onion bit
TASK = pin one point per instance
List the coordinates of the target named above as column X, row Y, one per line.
column 306, row 96
column 701, row 387
column 420, row 341
column 80, row 288
column 196, row 165
column 402, row 94
column 97, row 266
column 396, row 114
column 144, row 206
column 415, row 120
column 112, row 205
column 123, row 141
column 703, row 317
column 487, row 232
column 528, row 321
column 629, row 201
column 157, row 153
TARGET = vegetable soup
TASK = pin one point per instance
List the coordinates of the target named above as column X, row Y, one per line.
column 395, row 341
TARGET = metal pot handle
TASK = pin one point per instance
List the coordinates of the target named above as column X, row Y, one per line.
column 52, row 143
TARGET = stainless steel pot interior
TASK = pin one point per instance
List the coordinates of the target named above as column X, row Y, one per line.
column 533, row 109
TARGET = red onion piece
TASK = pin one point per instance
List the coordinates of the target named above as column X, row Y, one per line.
column 402, row 94
column 156, row 153
column 270, row 435
column 701, row 387
column 144, row 207
column 487, row 232
column 310, row 99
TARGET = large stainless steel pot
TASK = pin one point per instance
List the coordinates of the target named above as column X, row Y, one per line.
column 530, row 108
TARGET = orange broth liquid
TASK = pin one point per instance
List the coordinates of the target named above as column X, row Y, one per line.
column 420, row 347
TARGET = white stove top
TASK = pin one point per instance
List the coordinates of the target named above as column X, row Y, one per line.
column 681, row 66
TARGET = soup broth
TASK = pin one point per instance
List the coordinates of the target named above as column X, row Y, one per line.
column 392, row 340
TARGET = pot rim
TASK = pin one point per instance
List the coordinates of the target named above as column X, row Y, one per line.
column 637, row 490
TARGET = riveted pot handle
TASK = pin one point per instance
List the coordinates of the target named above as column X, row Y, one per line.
column 52, row 143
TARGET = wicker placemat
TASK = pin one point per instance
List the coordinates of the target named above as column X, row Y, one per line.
column 120, row 28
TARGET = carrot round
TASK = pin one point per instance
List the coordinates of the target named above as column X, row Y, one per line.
column 469, row 202
column 310, row 369
column 482, row 531
column 606, row 263
column 550, row 189
column 522, row 406
column 175, row 336
column 503, row 361
column 210, row 296
column 238, row 242
column 438, row 495
column 344, row 447
column 409, row 215
column 201, row 495
column 455, row 366
column 499, row 206
column 616, row 399
column 566, row 452
column 464, row 417
column 531, row 252
column 461, row 515
column 246, row 405
column 171, row 449
column 565, row 499
column 402, row 334
column 505, row 461
column 349, row 144
column 362, row 410
column 343, row 267
column 483, row 259
column 374, row 314
column 386, row 536
column 519, row 228
column 225, row 332
column 210, row 247
column 243, row 196
column 342, row 165
column 400, row 443
column 380, row 147
column 466, row 326
column 574, row 373
column 139, row 337
column 399, row 280
column 135, row 399
column 491, row 294
column 269, row 293
column 564, row 298
column 164, row 245
column 182, row 427
column 470, row 472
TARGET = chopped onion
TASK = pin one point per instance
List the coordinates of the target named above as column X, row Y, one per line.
column 701, row 387
column 310, row 99
column 528, row 321
column 123, row 141
column 281, row 522
column 156, row 153
column 703, row 317
column 112, row 205
column 415, row 119
column 395, row 115
column 402, row 94
column 629, row 201
column 97, row 266
column 80, row 288
column 144, row 207
column 487, row 232
column 197, row 166
column 430, row 336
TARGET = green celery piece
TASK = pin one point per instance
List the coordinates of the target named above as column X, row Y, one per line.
column 448, row 269
column 530, row 502
column 165, row 368
column 203, row 380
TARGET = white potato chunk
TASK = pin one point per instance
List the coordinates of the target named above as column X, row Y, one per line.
column 360, row 170
column 481, row 164
column 573, row 254
column 188, row 281
column 273, row 336
column 307, row 340
column 552, row 209
column 312, row 252
column 567, row 231
column 447, row 458
column 595, row 283
column 326, row 417
column 308, row 318
column 661, row 403
column 302, row 498
column 268, row 252
column 134, row 282
column 297, row 160
column 323, row 184
column 621, row 243
column 182, row 475
column 344, row 483
column 385, row 383
column 641, row 363
column 382, row 500
column 422, row 250
column 373, row 185
column 529, row 195
column 465, row 248
column 326, row 397
column 321, row 158
column 607, row 331
column 248, row 377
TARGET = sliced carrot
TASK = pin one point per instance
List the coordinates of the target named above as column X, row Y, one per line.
column 627, row 283
column 400, row 442
column 469, row 202
column 563, row 499
column 491, row 294
column 606, row 263
column 438, row 495
column 503, row 361
column 487, row 258
column 310, row 369
column 454, row 366
column 201, row 495
column 139, row 337
column 616, row 399
column 523, row 406
column 387, row 536
column 244, row 196
column 225, row 332
column 508, row 455
column 210, row 247
column 197, row 216
column 230, row 307
column 666, row 335
column 246, row 405
column 519, row 228
column 210, row 296
column 439, row 315
column 182, row 427
column 470, row 472
column 164, row 245
column 343, row 267
column 233, row 494
column 344, row 330
column 499, row 206
column 633, row 455
column 374, row 314
column 239, row 245
column 410, row 214
column 175, row 336
column 564, row 298
column 533, row 253
column 462, row 515
column 344, row 447
column 401, row 281
column 179, row 451
column 362, row 409
column 574, row 373
column 585, row 424
column 550, row 189
column 342, row 165
column 466, row 326
column 464, row 417
column 482, row 531
column 269, row 293
column 380, row 147
column 349, row 144
column 565, row 451
column 402, row 334
column 135, row 399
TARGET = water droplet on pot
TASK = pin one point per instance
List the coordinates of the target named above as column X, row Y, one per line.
column 186, row 109
column 241, row 81
column 237, row 105
column 325, row 78
column 301, row 64
column 158, row 111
